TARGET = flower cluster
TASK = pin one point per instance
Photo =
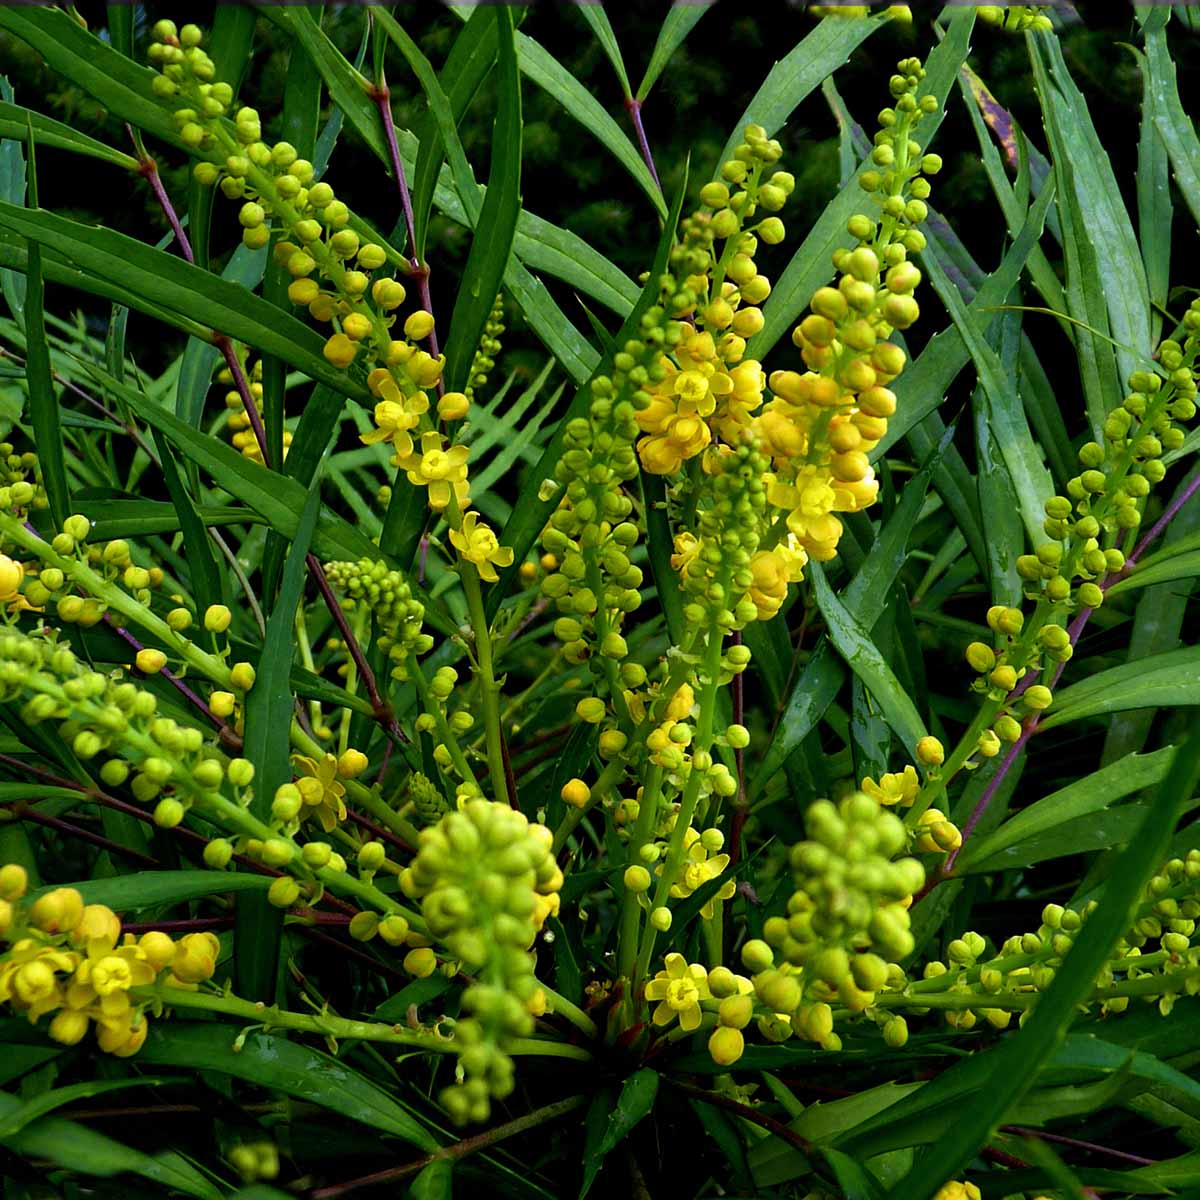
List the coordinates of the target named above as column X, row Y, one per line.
column 341, row 272
column 1085, row 530
column 240, row 420
column 487, row 881
column 67, row 958
column 708, row 388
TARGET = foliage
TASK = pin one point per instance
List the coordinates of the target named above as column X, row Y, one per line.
column 459, row 673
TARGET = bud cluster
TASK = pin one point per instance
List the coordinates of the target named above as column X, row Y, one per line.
column 388, row 597
column 487, row 880
column 488, row 349
column 1017, row 18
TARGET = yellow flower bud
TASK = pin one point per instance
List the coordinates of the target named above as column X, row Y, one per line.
column 726, row 1045
column 351, row 764
column 930, row 752
column 13, row 881
column 283, row 892
column 242, row 676
column 303, row 291
column 421, row 962
column 356, row 327
column 217, row 618
column 150, row 661
column 221, row 704
column 340, row 350
column 453, row 406
column 637, row 879
column 575, row 792
column 364, row 926
column 11, row 574
column 419, row 325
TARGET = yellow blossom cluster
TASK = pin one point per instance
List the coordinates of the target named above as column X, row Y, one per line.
column 67, row 958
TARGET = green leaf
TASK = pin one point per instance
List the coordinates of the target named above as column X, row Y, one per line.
column 152, row 889
column 1174, row 126
column 496, row 228
column 1164, row 570
column 1163, row 680
column 1091, row 794
column 434, row 1182
column 270, row 1061
column 168, row 284
column 123, row 87
column 996, row 1079
column 136, row 518
column 542, row 68
column 43, row 401
column 853, row 642
column 75, row 1147
column 204, row 575
column 470, row 59
column 637, row 1097
column 14, row 1120
column 12, row 190
column 1030, row 479
column 801, row 71
column 597, row 18
column 680, row 20
column 259, row 924
column 16, row 123
column 1106, row 280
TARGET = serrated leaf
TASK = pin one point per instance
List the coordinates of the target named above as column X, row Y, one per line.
column 496, row 228
column 15, row 123
column 259, row 924
column 636, row 1099
column 597, row 18
column 1091, row 794
column 75, row 1147
column 152, row 889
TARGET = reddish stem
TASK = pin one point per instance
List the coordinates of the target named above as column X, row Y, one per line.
column 634, row 108
column 1090, row 1147
column 418, row 271
column 1074, row 630
column 83, row 835
column 384, row 835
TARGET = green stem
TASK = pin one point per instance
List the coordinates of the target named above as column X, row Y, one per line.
column 564, row 1008
column 603, row 785
column 489, row 689
column 691, row 793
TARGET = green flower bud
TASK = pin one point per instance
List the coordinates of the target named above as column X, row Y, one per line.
column 218, row 853
column 371, row 856
column 637, row 879
column 283, row 892
column 757, row 956
column 168, row 813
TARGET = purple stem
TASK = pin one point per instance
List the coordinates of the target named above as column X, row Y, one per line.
column 173, row 679
column 1074, row 631
column 86, row 835
column 149, row 170
column 417, row 269
column 1091, row 1147
column 634, row 108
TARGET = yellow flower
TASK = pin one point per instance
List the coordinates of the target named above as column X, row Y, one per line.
column 11, row 574
column 682, row 437
column 772, row 571
column 811, row 500
column 396, row 415
column 29, row 977
column 699, row 868
column 748, row 381
column 678, row 990
column 477, row 544
column 438, row 469
column 321, row 790
column 894, row 788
